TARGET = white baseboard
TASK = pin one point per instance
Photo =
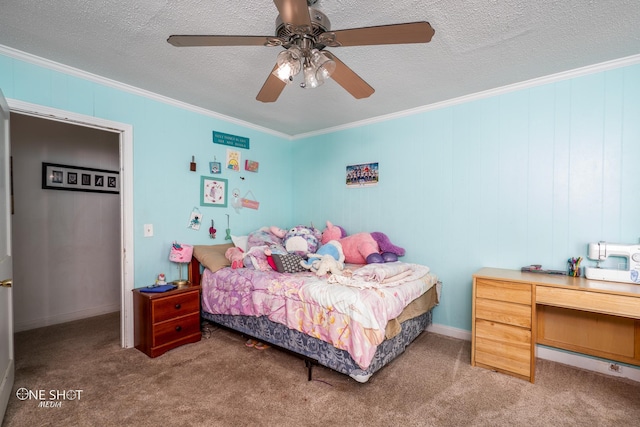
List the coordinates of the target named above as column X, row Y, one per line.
column 26, row 325
column 448, row 331
column 588, row 363
column 555, row 355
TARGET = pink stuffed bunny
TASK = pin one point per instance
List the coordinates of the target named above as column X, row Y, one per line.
column 363, row 248
column 236, row 256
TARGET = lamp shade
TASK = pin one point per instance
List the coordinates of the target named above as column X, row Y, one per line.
column 181, row 253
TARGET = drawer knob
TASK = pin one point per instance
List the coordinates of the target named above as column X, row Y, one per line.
column 178, row 328
column 178, row 306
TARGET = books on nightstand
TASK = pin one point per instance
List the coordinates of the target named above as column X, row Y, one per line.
column 158, row 288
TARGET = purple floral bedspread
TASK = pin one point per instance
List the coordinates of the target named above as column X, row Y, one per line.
column 351, row 317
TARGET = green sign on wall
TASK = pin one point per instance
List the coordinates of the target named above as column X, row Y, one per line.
column 231, row 140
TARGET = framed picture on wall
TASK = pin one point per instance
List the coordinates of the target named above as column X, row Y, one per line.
column 213, row 191
column 362, row 175
column 78, row 178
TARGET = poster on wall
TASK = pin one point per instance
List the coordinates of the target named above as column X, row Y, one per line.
column 77, row 178
column 233, row 160
column 362, row 175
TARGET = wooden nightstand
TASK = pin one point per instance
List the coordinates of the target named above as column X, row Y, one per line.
column 166, row 320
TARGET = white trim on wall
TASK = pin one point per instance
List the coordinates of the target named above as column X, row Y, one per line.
column 566, row 75
column 578, row 72
column 126, row 196
column 52, row 65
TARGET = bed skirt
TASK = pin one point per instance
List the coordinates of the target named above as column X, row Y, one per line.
column 321, row 351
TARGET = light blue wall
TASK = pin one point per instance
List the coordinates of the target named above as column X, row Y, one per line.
column 164, row 139
column 527, row 177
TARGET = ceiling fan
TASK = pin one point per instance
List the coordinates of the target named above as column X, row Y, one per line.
column 304, row 32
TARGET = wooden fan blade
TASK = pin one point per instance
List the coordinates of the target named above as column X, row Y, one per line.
column 413, row 32
column 295, row 12
column 272, row 88
column 349, row 80
column 189, row 40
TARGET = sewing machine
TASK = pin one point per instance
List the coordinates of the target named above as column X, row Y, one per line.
column 602, row 250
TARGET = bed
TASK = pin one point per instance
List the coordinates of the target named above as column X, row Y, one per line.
column 354, row 324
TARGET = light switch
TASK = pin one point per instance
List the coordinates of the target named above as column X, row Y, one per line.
column 148, row 230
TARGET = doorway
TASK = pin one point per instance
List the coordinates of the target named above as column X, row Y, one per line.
column 122, row 135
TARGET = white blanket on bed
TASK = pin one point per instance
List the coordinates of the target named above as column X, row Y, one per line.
column 376, row 276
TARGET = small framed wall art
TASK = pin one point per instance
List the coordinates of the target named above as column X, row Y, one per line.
column 251, row 165
column 213, row 191
column 215, row 167
column 362, row 175
column 76, row 178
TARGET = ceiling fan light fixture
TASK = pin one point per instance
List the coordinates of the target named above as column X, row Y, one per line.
column 289, row 64
column 323, row 65
column 310, row 79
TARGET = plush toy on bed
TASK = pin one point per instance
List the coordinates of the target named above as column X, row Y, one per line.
column 299, row 240
column 235, row 256
column 363, row 248
column 329, row 258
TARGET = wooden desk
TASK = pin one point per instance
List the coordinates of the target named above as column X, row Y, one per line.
column 513, row 311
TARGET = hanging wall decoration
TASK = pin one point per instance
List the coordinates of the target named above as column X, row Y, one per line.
column 215, row 167
column 233, row 160
column 363, row 175
column 213, row 191
column 230, row 140
column 251, row 166
column 250, row 203
column 195, row 219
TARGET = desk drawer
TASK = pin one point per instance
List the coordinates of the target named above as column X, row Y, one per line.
column 617, row 305
column 504, row 347
column 503, row 291
column 504, row 312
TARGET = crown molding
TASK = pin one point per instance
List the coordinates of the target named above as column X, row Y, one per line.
column 55, row 66
column 565, row 75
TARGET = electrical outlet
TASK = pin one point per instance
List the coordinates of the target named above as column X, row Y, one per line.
column 614, row 367
column 148, row 230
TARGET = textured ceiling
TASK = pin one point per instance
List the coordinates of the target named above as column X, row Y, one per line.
column 478, row 45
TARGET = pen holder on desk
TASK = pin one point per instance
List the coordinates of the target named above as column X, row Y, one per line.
column 573, row 267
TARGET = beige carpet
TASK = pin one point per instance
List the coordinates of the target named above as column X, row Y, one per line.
column 220, row 382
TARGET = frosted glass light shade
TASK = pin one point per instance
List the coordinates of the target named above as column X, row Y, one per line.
column 289, row 64
column 323, row 65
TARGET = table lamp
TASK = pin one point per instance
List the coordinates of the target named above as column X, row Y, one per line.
column 181, row 254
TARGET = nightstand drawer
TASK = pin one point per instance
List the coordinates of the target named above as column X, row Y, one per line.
column 504, row 291
column 174, row 306
column 504, row 312
column 176, row 329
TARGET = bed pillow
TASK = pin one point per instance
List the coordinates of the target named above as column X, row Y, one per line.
column 240, row 242
column 212, row 256
column 288, row 263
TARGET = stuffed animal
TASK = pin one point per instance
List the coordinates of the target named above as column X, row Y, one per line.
column 329, row 258
column 301, row 240
column 236, row 256
column 363, row 248
column 327, row 265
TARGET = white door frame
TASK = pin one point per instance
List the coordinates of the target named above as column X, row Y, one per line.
column 126, row 196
